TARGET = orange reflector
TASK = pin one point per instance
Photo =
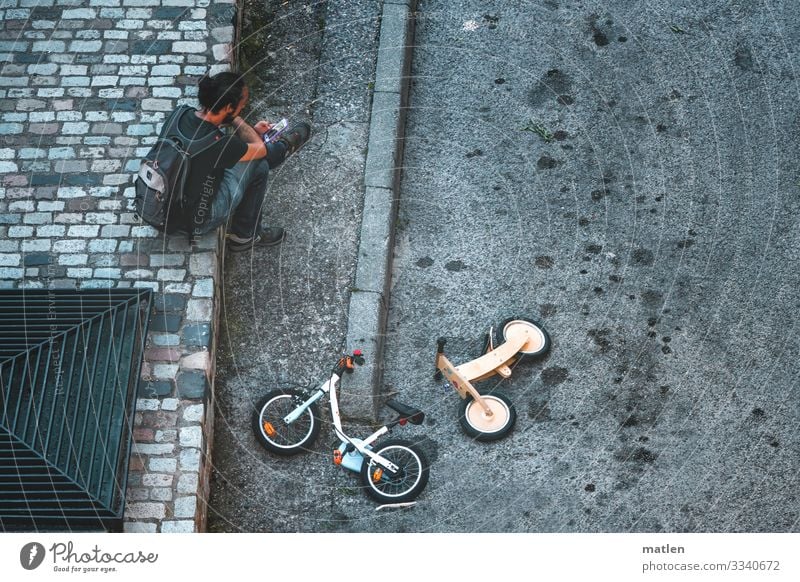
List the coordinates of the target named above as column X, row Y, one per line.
column 337, row 457
column 269, row 429
column 377, row 474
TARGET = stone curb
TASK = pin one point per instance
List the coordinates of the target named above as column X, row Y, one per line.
column 369, row 300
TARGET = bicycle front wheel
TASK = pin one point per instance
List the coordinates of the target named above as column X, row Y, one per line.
column 484, row 427
column 277, row 436
column 410, row 479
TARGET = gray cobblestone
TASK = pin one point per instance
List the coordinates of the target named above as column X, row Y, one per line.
column 10, row 129
column 159, row 465
column 186, row 506
column 106, row 273
column 171, row 274
column 10, row 218
column 80, row 13
column 187, row 483
column 159, row 449
column 72, row 260
column 139, row 274
column 191, row 436
column 144, row 232
column 83, row 231
column 188, row 47
column 75, row 128
column 10, row 273
column 21, row 231
column 166, row 436
column 190, row 459
column 165, row 371
column 161, row 494
column 41, row 116
column 138, row 494
column 157, row 480
column 194, row 412
column 110, row 260
column 62, row 153
column 102, row 246
column 97, row 284
column 139, row 527
column 68, row 218
column 180, row 526
column 166, row 340
column 38, row 217
column 203, row 288
column 69, row 246
column 199, row 310
column 10, row 259
column 146, row 511
column 115, row 231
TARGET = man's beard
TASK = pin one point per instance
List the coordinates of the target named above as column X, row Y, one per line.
column 229, row 119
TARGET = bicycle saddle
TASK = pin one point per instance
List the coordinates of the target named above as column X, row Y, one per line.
column 413, row 415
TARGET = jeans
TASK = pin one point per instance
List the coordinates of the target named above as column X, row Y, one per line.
column 240, row 196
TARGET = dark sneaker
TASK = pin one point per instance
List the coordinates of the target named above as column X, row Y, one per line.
column 295, row 136
column 266, row 237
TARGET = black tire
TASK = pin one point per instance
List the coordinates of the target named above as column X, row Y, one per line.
column 541, row 347
column 286, row 439
column 410, row 480
column 482, row 428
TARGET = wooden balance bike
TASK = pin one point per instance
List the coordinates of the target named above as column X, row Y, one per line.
column 490, row 415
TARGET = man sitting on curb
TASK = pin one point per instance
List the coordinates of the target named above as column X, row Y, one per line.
column 230, row 178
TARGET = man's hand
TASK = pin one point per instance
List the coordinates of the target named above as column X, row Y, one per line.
column 262, row 127
column 255, row 142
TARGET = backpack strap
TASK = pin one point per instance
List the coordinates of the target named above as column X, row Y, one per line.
column 171, row 123
column 191, row 146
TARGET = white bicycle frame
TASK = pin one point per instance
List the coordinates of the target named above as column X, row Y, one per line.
column 360, row 445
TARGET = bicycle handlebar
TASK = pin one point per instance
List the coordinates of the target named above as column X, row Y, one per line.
column 347, row 363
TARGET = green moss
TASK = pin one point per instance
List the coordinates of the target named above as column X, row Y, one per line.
column 252, row 40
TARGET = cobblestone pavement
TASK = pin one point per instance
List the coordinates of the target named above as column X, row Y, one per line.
column 84, row 86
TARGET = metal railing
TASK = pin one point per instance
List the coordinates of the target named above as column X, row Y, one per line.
column 69, row 370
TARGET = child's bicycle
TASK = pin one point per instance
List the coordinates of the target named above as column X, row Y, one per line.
column 489, row 416
column 395, row 471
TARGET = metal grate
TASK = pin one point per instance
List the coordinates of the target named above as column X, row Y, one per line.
column 69, row 369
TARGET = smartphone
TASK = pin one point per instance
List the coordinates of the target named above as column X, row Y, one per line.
column 275, row 131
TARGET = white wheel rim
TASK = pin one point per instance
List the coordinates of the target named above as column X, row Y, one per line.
column 272, row 440
column 536, row 338
column 482, row 422
column 373, row 465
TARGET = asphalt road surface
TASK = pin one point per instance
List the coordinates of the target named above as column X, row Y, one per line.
column 624, row 173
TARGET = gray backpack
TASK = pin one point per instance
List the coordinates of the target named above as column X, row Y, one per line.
column 160, row 198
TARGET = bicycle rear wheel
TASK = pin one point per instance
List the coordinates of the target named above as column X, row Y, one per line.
column 410, row 479
column 538, row 340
